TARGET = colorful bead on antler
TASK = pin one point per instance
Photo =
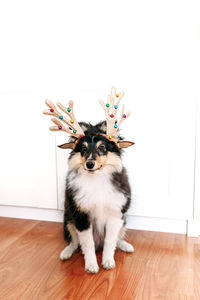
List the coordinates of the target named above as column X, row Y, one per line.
column 74, row 129
column 110, row 109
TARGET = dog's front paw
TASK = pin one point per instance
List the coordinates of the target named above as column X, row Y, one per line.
column 108, row 264
column 92, row 268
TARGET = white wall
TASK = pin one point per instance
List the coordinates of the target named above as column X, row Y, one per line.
column 77, row 50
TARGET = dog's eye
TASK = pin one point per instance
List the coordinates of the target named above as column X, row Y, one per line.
column 102, row 147
column 83, row 148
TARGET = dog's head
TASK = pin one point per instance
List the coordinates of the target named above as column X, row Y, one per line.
column 94, row 148
column 94, row 152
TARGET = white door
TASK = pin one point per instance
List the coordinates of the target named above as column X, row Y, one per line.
column 151, row 50
column 161, row 163
column 194, row 222
column 27, row 160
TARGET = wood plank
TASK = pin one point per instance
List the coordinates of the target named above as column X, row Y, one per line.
column 163, row 266
column 11, row 229
column 26, row 256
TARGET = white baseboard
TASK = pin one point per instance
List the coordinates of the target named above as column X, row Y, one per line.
column 157, row 224
column 31, row 213
column 133, row 222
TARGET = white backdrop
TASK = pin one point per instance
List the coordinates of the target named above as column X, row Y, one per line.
column 77, row 50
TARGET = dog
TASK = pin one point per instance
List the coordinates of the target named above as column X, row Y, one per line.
column 97, row 193
column 97, row 196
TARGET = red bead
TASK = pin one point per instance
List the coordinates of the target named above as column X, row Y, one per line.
column 81, row 136
column 52, row 110
column 112, row 116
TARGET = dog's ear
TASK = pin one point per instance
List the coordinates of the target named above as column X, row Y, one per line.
column 102, row 126
column 67, row 146
column 125, row 144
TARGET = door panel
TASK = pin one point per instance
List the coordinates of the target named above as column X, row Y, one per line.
column 161, row 163
column 28, row 165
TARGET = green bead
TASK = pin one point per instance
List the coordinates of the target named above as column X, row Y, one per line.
column 69, row 109
column 74, row 131
column 107, row 104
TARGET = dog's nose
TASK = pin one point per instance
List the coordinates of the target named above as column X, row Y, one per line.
column 90, row 165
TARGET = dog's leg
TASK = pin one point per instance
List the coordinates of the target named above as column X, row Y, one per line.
column 113, row 227
column 88, row 248
column 71, row 248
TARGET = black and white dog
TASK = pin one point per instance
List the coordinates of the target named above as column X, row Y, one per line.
column 97, row 197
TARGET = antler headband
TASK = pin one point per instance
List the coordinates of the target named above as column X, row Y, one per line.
column 110, row 109
column 73, row 127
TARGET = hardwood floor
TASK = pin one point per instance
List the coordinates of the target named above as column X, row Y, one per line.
column 163, row 266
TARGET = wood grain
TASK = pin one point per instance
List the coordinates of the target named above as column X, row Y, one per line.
column 163, row 266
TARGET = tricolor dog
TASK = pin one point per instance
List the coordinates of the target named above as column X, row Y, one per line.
column 97, row 193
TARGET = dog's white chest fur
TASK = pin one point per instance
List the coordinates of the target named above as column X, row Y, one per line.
column 98, row 197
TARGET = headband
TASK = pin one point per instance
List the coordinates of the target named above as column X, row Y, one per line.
column 110, row 108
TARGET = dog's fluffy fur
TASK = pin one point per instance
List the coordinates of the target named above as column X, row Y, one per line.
column 96, row 199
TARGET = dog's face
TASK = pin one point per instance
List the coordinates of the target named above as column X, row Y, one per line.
column 93, row 153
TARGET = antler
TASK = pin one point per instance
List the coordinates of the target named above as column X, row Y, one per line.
column 110, row 109
column 73, row 126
